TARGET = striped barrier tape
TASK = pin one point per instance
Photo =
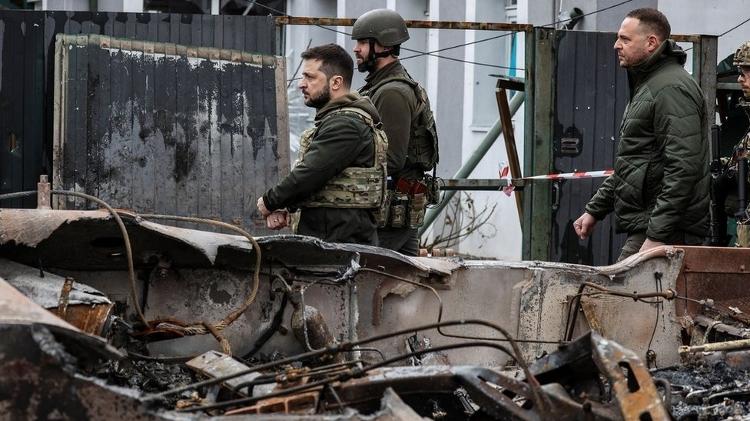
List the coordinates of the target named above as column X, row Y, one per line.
column 505, row 174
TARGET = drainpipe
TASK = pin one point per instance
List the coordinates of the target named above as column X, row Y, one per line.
column 472, row 162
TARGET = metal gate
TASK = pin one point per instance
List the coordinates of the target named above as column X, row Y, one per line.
column 590, row 98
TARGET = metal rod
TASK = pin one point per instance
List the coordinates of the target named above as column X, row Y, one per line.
column 716, row 346
column 431, row 24
column 472, row 162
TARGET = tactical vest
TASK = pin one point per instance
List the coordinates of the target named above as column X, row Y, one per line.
column 422, row 152
column 354, row 187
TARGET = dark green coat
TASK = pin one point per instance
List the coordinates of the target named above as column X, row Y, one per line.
column 661, row 180
column 397, row 104
column 341, row 141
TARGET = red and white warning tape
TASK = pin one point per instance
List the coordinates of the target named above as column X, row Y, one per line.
column 572, row 175
column 505, row 174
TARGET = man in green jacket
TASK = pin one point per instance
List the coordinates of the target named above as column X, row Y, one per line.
column 338, row 181
column 407, row 119
column 659, row 191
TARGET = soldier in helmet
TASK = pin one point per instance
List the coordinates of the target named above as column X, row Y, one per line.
column 337, row 183
column 407, row 119
column 726, row 184
column 742, row 61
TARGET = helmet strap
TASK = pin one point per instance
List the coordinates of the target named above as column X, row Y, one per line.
column 368, row 65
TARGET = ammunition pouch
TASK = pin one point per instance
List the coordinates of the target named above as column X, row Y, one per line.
column 405, row 210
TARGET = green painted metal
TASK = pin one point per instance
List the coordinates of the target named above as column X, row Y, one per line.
column 540, row 65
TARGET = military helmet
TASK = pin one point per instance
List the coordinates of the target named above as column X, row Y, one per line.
column 383, row 25
column 742, row 55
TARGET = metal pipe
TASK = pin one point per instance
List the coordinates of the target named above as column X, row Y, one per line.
column 469, row 166
column 716, row 346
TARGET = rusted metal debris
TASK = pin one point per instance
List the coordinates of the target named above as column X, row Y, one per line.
column 311, row 359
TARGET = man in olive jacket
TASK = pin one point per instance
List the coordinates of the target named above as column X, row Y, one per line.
column 340, row 139
column 659, row 191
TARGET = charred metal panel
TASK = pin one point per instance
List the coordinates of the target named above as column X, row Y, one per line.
column 170, row 128
column 27, row 41
column 591, row 94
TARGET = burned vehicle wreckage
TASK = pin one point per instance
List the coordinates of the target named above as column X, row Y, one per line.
column 110, row 314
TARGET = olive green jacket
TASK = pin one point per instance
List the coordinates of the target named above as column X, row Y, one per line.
column 341, row 141
column 661, row 181
column 398, row 105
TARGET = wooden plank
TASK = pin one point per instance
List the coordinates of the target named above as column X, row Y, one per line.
column 130, row 26
column 528, row 163
column 79, row 139
column 60, row 74
column 97, row 96
column 186, row 139
column 227, row 114
column 35, row 157
column 254, row 175
column 109, row 25
column 185, row 35
column 208, row 130
column 510, row 143
column 70, row 147
column 140, row 129
column 207, row 31
column 542, row 146
column 704, row 56
column 125, row 136
column 11, row 108
column 153, row 28
column 266, row 35
column 142, row 21
column 119, row 24
column 148, row 128
column 281, row 149
column 174, row 28
column 54, row 23
column 164, row 107
column 252, row 27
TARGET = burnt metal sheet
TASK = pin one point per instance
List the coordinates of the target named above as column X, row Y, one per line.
column 90, row 239
column 83, row 306
column 196, row 134
column 216, row 364
column 27, row 40
column 720, row 274
column 44, row 287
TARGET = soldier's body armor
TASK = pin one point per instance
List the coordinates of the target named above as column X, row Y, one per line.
column 407, row 208
column 354, row 187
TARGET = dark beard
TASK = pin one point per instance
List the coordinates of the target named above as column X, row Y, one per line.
column 321, row 100
column 367, row 65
